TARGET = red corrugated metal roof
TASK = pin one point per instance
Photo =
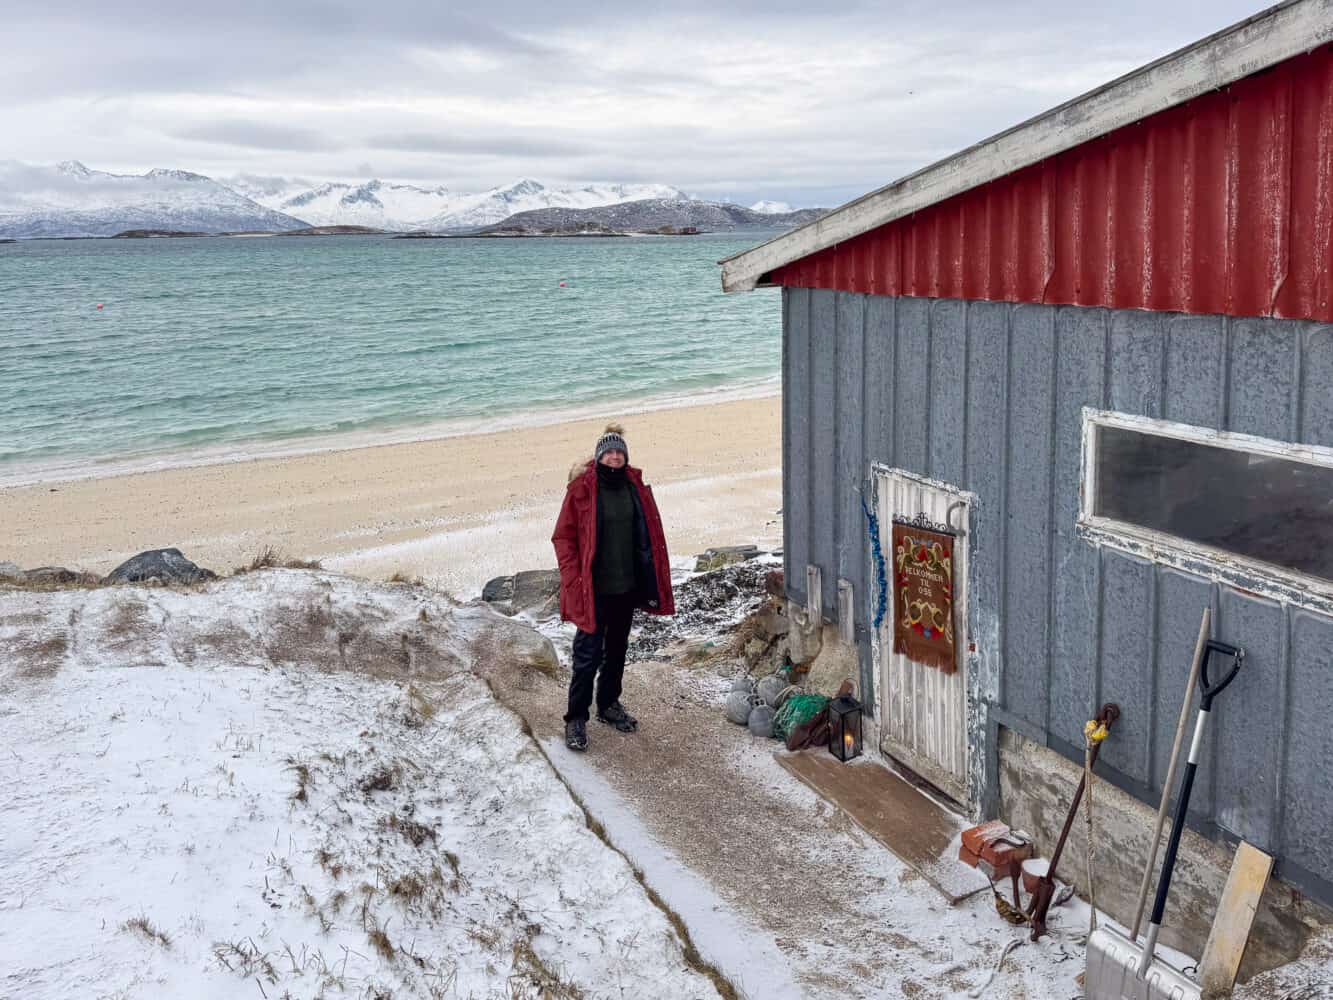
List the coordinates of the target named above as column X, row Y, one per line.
column 1223, row 204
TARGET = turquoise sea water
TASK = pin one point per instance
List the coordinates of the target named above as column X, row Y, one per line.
column 232, row 346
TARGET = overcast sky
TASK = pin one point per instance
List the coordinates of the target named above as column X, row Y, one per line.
column 811, row 103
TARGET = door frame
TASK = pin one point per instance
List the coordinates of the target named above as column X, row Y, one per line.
column 957, row 787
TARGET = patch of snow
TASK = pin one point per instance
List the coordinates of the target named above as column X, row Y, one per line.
column 771, row 207
column 192, row 803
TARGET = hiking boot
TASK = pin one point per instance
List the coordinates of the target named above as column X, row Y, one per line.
column 576, row 735
column 615, row 715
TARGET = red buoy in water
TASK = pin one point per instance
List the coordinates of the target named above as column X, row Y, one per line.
column 562, row 285
column 99, row 305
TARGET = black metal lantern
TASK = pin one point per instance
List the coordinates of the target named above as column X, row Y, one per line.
column 844, row 728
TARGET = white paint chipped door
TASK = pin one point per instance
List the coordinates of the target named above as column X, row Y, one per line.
column 924, row 710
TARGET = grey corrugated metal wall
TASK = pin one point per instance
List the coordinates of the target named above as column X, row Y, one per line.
column 988, row 396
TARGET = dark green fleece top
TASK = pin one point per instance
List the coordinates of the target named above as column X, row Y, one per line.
column 613, row 564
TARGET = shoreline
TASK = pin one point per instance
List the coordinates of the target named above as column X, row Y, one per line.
column 454, row 510
column 57, row 473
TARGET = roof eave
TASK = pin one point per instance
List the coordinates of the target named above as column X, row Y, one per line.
column 1269, row 37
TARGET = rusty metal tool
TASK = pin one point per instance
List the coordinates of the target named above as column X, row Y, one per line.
column 1040, row 903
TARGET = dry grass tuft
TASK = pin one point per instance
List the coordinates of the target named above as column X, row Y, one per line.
column 420, row 708
column 417, row 833
column 245, row 959
column 270, row 557
column 411, row 581
column 83, row 581
column 459, row 881
column 488, row 937
column 146, row 929
column 420, row 888
column 384, row 778
column 381, row 943
column 302, row 771
column 531, row 970
column 326, row 860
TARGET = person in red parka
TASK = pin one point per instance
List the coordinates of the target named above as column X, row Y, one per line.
column 613, row 558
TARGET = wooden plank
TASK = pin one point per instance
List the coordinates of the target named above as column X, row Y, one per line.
column 1235, row 916
column 921, row 832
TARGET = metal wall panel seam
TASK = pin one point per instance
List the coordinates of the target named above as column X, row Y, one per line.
column 1002, row 516
column 787, row 375
column 1154, row 670
column 1279, row 751
column 1226, row 374
column 810, row 554
column 836, row 486
column 1219, row 626
column 866, row 652
column 1294, row 429
column 1052, row 489
column 929, row 467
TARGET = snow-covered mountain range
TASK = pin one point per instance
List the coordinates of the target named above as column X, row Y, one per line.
column 405, row 207
column 71, row 200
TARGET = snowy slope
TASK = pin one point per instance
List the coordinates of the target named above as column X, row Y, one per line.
column 772, row 207
column 386, row 205
column 292, row 784
column 375, row 203
column 72, row 200
column 489, row 207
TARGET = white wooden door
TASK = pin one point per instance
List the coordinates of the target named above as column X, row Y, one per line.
column 924, row 710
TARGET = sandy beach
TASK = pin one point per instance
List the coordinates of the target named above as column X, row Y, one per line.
column 454, row 511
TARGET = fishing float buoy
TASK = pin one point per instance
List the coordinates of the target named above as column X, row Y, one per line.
column 562, row 285
column 99, row 305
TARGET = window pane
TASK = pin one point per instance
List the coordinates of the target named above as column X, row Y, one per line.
column 1265, row 508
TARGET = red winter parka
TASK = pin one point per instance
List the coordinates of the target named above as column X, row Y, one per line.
column 575, row 541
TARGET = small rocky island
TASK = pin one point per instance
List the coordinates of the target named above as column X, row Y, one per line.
column 334, row 231
column 154, row 234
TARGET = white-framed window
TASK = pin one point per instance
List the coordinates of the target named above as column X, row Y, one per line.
column 1247, row 508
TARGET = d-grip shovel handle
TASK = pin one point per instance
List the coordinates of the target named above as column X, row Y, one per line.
column 1209, row 690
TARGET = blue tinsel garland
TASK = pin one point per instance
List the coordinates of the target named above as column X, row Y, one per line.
column 882, row 603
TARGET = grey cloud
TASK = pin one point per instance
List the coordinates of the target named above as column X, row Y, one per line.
column 442, row 142
column 113, row 82
column 260, row 135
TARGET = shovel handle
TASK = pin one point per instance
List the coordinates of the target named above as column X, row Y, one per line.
column 1211, row 689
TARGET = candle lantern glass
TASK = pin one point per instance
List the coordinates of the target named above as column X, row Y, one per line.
column 844, row 725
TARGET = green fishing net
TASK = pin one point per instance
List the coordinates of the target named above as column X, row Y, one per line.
column 796, row 710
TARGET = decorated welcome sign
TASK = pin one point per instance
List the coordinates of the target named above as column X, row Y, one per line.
column 923, row 589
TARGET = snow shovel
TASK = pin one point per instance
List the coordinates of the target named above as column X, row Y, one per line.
column 1118, row 969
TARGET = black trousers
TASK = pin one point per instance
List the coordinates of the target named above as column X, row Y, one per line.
column 600, row 654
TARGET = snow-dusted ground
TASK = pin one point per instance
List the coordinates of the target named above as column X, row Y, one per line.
column 299, row 784
column 292, row 784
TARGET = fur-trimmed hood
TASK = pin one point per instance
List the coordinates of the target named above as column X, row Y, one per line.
column 588, row 467
column 578, row 468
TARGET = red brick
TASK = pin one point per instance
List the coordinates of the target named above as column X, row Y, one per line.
column 1003, row 854
column 977, row 837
